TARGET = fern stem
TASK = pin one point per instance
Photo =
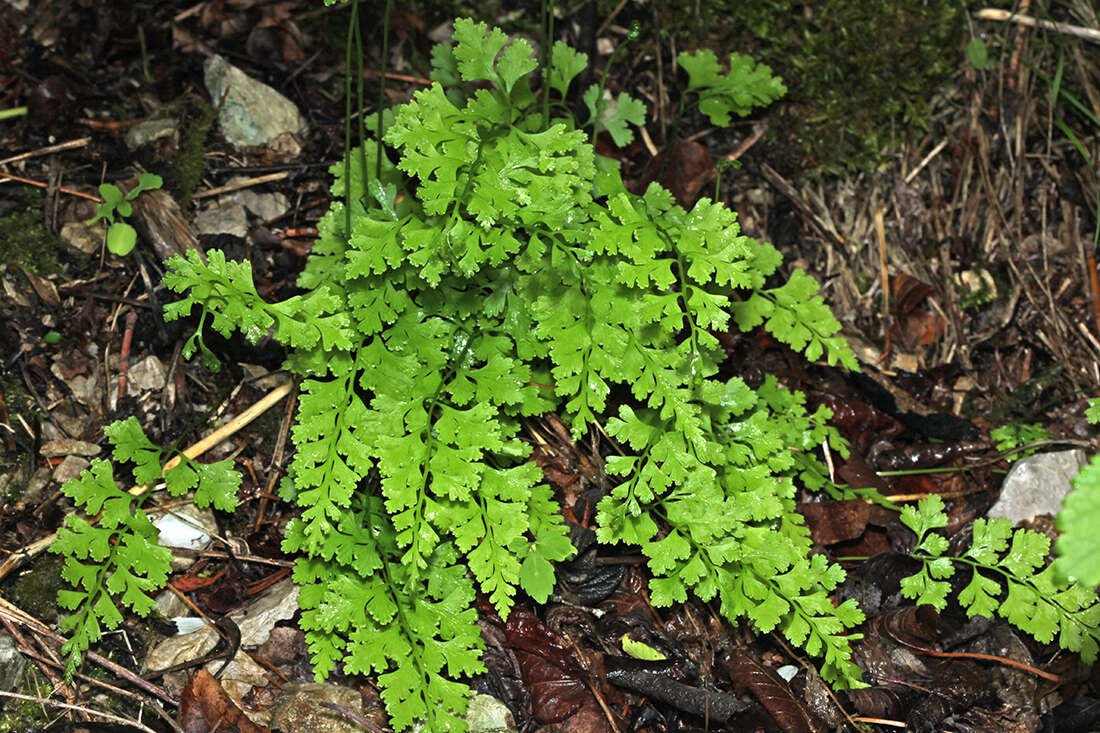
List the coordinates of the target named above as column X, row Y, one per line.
column 382, row 84
column 353, row 23
column 547, row 44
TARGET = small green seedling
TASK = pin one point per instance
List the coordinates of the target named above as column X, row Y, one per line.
column 978, row 54
column 121, row 237
column 1012, row 436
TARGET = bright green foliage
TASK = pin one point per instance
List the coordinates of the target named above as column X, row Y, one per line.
column 121, row 237
column 517, row 276
column 1079, row 546
column 1092, row 412
column 1001, row 558
column 1014, row 435
column 116, row 558
column 746, row 85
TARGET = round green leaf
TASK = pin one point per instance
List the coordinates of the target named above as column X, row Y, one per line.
column 978, row 54
column 52, row 337
column 121, row 238
column 110, row 193
column 146, row 182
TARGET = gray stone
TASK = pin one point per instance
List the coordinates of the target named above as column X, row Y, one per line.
column 298, row 708
column 486, row 714
column 69, row 468
column 84, row 237
column 68, row 447
column 223, row 219
column 148, row 374
column 266, row 206
column 150, row 130
column 252, row 113
column 1037, row 485
column 12, row 663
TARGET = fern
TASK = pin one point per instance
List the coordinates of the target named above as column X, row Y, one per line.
column 1078, row 548
column 110, row 547
column 500, row 270
column 1001, row 559
column 1012, row 436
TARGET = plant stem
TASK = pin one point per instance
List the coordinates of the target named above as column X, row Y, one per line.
column 353, row 23
column 382, row 87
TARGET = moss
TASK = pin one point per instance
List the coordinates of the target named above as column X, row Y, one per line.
column 35, row 589
column 860, row 72
column 17, row 716
column 24, row 239
column 17, row 466
column 184, row 170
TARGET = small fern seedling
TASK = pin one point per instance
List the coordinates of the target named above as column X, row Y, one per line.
column 1001, row 559
column 110, row 546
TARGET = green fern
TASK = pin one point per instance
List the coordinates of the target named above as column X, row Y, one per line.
column 1078, row 547
column 116, row 559
column 518, row 277
column 1000, row 559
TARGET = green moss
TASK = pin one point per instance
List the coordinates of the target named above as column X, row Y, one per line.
column 35, row 589
column 17, row 466
column 860, row 72
column 17, row 716
column 24, row 239
column 184, row 170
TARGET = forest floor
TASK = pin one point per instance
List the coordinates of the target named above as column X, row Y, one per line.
column 950, row 216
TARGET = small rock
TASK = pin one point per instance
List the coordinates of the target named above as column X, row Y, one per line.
column 150, row 130
column 486, row 714
column 252, row 113
column 170, row 605
column 68, row 447
column 239, row 677
column 182, row 528
column 299, row 708
column 85, row 389
column 256, row 620
column 83, row 237
column 69, row 468
column 11, row 663
column 223, row 219
column 147, row 375
column 266, row 206
column 1037, row 485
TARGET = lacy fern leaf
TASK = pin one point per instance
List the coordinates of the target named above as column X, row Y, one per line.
column 110, row 547
column 1002, row 559
column 516, row 276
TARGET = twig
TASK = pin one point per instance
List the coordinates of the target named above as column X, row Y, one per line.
column 108, row 686
column 31, row 182
column 346, row 711
column 787, row 190
column 79, row 142
column 758, row 130
column 17, row 615
column 124, row 356
column 36, row 548
column 1089, row 34
column 926, row 160
column 610, row 18
column 247, row 183
column 1094, row 287
column 276, row 462
column 79, row 708
column 1013, row 79
column 880, row 233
